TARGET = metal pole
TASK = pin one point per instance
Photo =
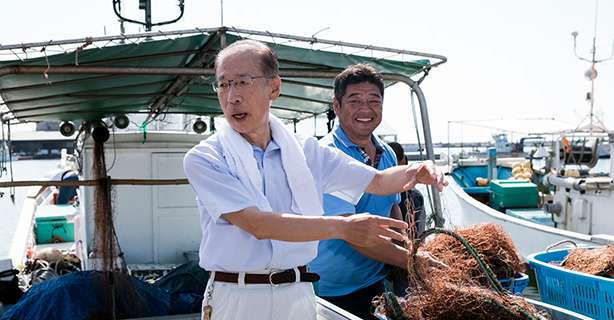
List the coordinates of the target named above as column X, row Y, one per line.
column 428, row 142
column 107, row 38
column 147, row 15
column 442, row 59
column 174, row 71
column 448, row 160
column 221, row 13
column 93, row 183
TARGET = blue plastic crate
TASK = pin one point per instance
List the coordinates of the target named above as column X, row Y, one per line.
column 519, row 283
column 582, row 293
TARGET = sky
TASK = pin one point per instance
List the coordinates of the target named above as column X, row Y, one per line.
column 509, row 62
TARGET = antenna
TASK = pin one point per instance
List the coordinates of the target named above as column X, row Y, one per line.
column 146, row 5
column 591, row 73
column 221, row 13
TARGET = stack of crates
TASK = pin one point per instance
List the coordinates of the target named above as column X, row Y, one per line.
column 512, row 194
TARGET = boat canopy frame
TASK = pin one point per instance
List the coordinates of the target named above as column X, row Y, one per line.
column 93, row 78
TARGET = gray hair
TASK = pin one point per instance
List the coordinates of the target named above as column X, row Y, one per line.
column 268, row 58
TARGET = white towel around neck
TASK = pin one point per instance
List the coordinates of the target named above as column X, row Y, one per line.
column 240, row 159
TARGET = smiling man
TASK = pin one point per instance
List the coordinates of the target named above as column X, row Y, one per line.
column 259, row 191
column 351, row 276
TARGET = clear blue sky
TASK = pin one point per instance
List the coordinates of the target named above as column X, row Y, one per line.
column 507, row 59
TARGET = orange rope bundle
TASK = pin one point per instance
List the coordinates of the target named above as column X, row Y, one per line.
column 493, row 245
column 458, row 291
column 598, row 261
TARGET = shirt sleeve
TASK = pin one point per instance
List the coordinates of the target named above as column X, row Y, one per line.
column 217, row 190
column 340, row 175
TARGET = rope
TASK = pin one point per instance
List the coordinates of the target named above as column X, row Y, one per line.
column 42, row 272
column 3, row 151
column 490, row 276
column 114, row 150
column 46, row 73
column 393, row 308
column 11, row 189
column 143, row 127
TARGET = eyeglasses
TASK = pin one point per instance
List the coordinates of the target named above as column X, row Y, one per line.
column 243, row 82
column 372, row 103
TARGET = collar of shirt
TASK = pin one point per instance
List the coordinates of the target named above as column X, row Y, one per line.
column 259, row 153
column 357, row 152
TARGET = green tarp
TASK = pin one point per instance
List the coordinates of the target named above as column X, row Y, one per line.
column 32, row 97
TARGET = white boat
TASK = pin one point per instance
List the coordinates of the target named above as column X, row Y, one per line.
column 579, row 209
column 156, row 219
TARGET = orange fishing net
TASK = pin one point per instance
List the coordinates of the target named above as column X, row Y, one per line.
column 598, row 261
column 464, row 287
column 493, row 245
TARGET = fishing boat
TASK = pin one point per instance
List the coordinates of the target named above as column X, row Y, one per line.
column 107, row 82
column 561, row 199
column 577, row 209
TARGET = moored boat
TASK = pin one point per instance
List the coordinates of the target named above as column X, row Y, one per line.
column 576, row 209
column 156, row 223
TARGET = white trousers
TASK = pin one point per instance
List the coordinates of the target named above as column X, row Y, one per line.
column 232, row 301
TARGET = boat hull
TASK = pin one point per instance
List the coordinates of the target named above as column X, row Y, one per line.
column 461, row 210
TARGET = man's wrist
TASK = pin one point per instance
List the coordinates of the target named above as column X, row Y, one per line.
column 339, row 227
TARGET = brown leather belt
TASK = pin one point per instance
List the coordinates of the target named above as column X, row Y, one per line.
column 274, row 278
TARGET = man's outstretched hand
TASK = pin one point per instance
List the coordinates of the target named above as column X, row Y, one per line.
column 364, row 229
column 426, row 173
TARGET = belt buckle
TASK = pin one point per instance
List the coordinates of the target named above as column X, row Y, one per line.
column 271, row 278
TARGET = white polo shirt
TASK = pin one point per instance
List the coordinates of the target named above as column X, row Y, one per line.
column 225, row 247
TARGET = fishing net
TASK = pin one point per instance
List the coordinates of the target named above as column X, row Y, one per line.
column 78, row 296
column 597, row 261
column 113, row 281
column 105, row 247
column 445, row 300
column 493, row 245
column 459, row 289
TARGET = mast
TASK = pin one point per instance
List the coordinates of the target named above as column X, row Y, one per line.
column 591, row 73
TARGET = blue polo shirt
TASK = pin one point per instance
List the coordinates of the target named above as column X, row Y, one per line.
column 342, row 269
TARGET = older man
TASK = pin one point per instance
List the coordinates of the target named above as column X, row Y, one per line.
column 259, row 191
column 350, row 275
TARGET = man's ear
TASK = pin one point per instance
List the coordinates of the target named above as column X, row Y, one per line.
column 275, row 87
column 336, row 106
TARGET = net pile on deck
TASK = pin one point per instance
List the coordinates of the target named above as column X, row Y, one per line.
column 597, row 261
column 493, row 245
column 465, row 287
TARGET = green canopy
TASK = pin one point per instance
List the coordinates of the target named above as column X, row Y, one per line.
column 100, row 81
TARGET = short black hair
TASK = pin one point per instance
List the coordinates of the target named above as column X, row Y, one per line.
column 398, row 150
column 268, row 57
column 357, row 73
